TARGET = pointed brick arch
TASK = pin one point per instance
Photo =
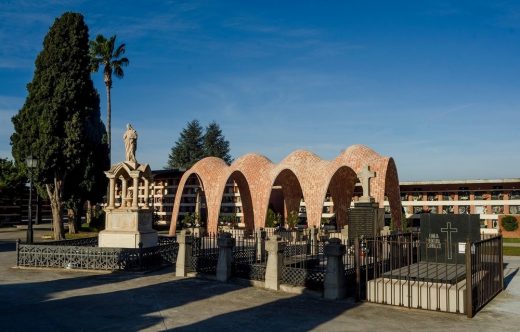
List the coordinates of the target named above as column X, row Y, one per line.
column 341, row 186
column 291, row 188
column 209, row 171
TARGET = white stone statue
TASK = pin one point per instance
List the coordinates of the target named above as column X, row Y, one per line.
column 130, row 138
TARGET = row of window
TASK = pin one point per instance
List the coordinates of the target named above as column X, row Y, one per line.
column 463, row 209
column 461, row 196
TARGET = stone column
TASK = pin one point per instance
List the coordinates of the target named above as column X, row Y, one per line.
column 334, row 285
column 314, row 241
column 123, row 192
column 273, row 270
column 344, row 232
column 184, row 255
column 146, row 193
column 225, row 256
column 112, row 193
column 136, row 192
column 260, row 245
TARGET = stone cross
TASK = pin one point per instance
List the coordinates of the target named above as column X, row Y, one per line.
column 364, row 177
column 448, row 230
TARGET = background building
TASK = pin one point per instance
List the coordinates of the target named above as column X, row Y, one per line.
column 488, row 198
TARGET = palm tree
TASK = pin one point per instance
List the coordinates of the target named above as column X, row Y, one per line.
column 103, row 52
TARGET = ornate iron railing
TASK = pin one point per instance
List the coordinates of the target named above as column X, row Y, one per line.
column 83, row 255
column 204, row 255
column 246, row 261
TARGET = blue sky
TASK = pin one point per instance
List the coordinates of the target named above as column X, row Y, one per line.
column 434, row 84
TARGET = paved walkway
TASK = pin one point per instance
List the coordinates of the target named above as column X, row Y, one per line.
column 60, row 300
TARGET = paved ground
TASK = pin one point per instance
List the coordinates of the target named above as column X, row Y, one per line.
column 53, row 300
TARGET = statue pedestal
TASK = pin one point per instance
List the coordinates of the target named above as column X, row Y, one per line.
column 125, row 228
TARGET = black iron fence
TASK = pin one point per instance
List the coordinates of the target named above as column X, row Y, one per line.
column 84, row 254
column 304, row 265
column 204, row 254
column 485, row 273
column 249, row 259
column 435, row 275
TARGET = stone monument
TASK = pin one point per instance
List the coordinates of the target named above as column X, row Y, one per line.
column 129, row 218
column 366, row 218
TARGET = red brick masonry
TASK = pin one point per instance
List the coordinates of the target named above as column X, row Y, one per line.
column 301, row 174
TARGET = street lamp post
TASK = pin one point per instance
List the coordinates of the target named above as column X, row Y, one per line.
column 31, row 163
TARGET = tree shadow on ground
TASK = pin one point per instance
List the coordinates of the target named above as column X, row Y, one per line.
column 297, row 313
column 99, row 302
column 509, row 277
column 7, row 245
column 132, row 302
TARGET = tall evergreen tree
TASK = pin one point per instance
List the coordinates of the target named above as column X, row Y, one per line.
column 60, row 123
column 189, row 148
column 104, row 53
column 215, row 144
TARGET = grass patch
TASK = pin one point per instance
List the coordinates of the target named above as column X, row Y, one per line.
column 511, row 251
column 50, row 236
column 81, row 235
column 513, row 240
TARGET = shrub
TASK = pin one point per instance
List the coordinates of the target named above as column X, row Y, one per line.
column 509, row 223
column 97, row 222
column 272, row 219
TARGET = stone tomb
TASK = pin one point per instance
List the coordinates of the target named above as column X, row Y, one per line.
column 128, row 220
column 444, row 236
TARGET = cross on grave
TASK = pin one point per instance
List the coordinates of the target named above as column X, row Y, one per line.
column 448, row 230
column 364, row 177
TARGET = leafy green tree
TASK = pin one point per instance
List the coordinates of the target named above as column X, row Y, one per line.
column 215, row 144
column 60, row 122
column 104, row 53
column 189, row 147
column 12, row 180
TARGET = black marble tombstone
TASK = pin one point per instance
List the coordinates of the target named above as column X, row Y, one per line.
column 365, row 220
column 444, row 236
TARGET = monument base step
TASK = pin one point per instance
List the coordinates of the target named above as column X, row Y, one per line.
column 127, row 239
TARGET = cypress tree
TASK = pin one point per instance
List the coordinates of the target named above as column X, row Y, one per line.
column 60, row 123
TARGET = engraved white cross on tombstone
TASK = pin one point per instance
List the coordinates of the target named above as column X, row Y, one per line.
column 448, row 230
column 364, row 177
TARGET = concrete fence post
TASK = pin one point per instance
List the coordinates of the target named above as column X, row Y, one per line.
column 334, row 284
column 225, row 256
column 185, row 241
column 273, row 271
column 260, row 245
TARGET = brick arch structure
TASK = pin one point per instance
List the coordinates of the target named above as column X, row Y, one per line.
column 341, row 184
column 386, row 180
column 301, row 174
column 257, row 171
column 245, row 196
column 209, row 171
column 291, row 189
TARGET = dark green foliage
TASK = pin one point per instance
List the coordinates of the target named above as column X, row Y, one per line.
column 98, row 220
column 12, row 180
column 509, row 223
column 215, row 144
column 272, row 219
column 60, row 121
column 189, row 147
column 193, row 145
